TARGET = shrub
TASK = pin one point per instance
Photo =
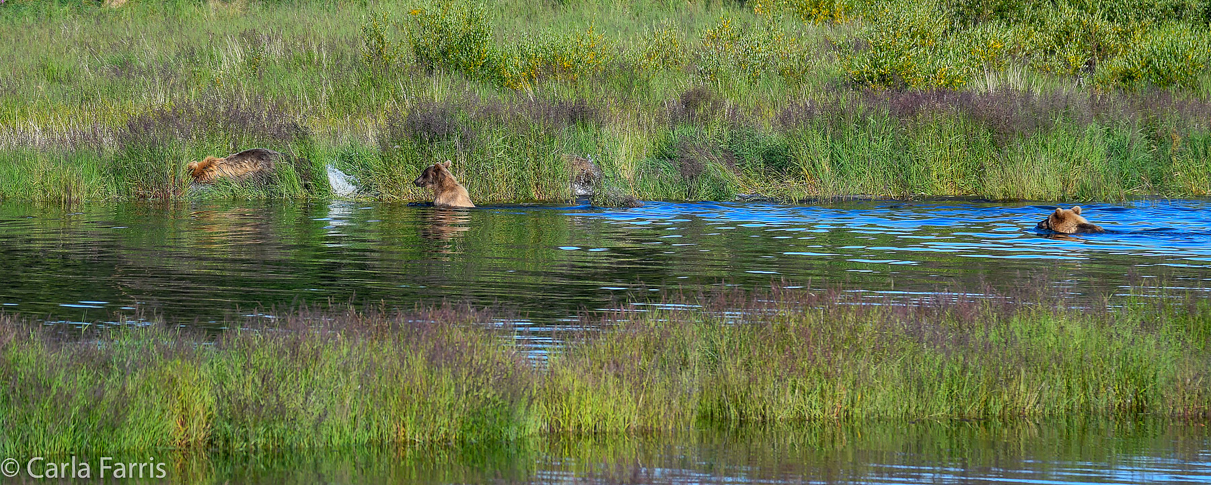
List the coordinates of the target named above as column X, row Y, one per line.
column 731, row 52
column 687, row 164
column 934, row 43
column 454, row 35
column 760, row 152
column 457, row 36
column 1068, row 40
column 661, row 49
column 908, row 44
column 814, row 11
column 1170, row 55
column 150, row 155
column 378, row 51
column 547, row 56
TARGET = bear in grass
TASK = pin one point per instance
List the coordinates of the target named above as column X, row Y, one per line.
column 256, row 163
column 447, row 191
column 1068, row 221
column 585, row 174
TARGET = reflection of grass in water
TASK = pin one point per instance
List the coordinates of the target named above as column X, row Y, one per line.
column 341, row 377
column 869, row 448
column 775, row 453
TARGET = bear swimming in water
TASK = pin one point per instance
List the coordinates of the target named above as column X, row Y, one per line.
column 446, row 190
column 1068, row 221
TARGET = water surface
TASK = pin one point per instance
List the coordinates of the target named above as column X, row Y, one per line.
column 200, row 263
column 1028, row 452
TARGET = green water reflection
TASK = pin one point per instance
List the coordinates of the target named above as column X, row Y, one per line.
column 1095, row 451
column 202, row 263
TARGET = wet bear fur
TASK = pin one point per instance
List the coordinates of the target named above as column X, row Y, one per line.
column 1068, row 221
column 447, row 192
column 585, row 174
column 256, row 163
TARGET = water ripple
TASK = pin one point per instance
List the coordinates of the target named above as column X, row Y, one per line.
column 204, row 261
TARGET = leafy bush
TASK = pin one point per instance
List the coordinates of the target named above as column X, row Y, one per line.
column 1069, row 40
column 759, row 152
column 908, row 44
column 457, row 36
column 687, row 164
column 545, row 55
column 454, row 35
column 731, row 52
column 378, row 51
column 150, row 156
column 936, row 43
column 661, row 49
column 814, row 11
column 1171, row 55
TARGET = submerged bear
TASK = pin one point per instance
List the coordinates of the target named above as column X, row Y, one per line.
column 254, row 163
column 1068, row 221
column 447, row 191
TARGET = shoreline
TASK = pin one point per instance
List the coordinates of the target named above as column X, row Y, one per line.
column 706, row 102
column 447, row 375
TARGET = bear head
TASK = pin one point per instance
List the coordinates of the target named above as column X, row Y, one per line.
column 1067, row 221
column 200, row 171
column 436, row 177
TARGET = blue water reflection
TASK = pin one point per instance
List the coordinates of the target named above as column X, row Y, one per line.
column 202, row 262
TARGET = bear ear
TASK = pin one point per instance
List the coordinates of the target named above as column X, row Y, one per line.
column 445, row 164
column 192, row 166
column 1059, row 211
column 1076, row 209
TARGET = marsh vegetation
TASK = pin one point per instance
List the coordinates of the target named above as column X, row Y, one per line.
column 700, row 101
column 451, row 375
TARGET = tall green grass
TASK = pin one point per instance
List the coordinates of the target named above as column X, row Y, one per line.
column 452, row 376
column 794, row 357
column 388, row 381
column 54, row 177
column 709, row 100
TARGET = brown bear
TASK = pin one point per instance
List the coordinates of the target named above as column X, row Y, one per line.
column 1068, row 221
column 446, row 190
column 256, row 162
column 585, row 174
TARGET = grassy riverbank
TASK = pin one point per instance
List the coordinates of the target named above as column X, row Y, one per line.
column 451, row 376
column 701, row 100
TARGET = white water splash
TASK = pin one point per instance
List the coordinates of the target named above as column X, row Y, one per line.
column 342, row 185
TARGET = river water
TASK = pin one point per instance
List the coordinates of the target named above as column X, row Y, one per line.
column 203, row 264
column 1028, row 452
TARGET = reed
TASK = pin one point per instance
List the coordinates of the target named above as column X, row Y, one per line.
column 792, row 356
column 453, row 376
column 356, row 378
column 791, row 99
